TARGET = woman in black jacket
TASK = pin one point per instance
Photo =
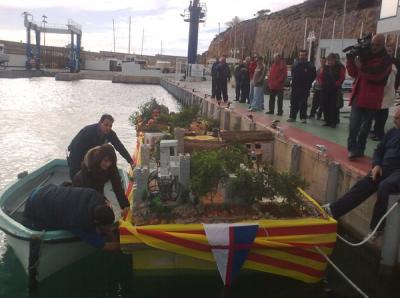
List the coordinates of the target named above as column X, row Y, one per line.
column 99, row 166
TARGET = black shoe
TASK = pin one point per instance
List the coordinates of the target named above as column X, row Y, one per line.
column 333, row 125
column 269, row 113
column 354, row 155
column 326, row 124
column 376, row 138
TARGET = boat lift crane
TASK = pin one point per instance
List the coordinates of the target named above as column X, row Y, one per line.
column 72, row 28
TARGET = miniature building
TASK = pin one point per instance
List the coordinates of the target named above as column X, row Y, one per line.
column 151, row 138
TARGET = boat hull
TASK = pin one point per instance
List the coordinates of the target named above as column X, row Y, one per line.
column 47, row 251
column 52, row 256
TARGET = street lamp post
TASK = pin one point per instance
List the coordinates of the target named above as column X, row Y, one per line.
column 219, row 40
column 310, row 39
column 44, row 21
column 234, row 52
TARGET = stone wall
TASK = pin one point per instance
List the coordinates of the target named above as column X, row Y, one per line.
column 283, row 31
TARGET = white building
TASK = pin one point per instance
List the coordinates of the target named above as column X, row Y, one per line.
column 327, row 46
column 389, row 18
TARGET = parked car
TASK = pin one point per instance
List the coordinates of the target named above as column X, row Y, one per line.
column 347, row 85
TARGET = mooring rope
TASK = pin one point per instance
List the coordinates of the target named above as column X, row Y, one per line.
column 341, row 273
column 372, row 233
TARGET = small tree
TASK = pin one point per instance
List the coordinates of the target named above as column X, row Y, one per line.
column 206, row 172
column 235, row 20
column 262, row 13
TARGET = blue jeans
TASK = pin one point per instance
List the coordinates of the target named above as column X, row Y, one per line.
column 258, row 101
column 360, row 124
column 251, row 94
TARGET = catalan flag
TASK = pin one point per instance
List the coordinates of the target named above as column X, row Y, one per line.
column 285, row 247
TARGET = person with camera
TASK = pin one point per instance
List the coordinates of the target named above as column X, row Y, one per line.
column 370, row 66
column 303, row 74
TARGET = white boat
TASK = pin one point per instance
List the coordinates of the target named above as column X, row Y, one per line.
column 43, row 253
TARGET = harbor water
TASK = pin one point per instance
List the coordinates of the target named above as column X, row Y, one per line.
column 38, row 119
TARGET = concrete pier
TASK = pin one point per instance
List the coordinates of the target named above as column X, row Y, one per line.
column 328, row 171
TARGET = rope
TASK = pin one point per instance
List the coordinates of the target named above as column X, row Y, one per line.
column 372, row 233
column 341, row 273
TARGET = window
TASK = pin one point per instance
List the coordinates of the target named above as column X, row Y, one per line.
column 389, row 8
column 322, row 54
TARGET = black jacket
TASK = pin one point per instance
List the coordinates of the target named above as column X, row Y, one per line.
column 214, row 69
column 387, row 153
column 90, row 137
column 97, row 180
column 223, row 72
column 58, row 207
column 303, row 74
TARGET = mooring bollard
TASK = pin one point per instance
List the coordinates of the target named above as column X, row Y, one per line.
column 391, row 238
column 332, row 183
column 295, row 161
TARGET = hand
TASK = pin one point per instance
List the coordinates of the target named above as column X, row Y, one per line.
column 350, row 56
column 111, row 246
column 124, row 212
column 376, row 173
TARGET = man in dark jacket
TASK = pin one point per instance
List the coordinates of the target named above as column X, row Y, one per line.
column 303, row 74
column 370, row 71
column 237, row 79
column 214, row 78
column 223, row 76
column 384, row 178
column 82, row 211
column 91, row 136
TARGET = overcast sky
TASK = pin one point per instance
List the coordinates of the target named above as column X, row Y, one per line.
column 160, row 20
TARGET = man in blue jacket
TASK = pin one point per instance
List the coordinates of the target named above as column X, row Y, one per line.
column 303, row 74
column 91, row 136
column 384, row 178
column 82, row 211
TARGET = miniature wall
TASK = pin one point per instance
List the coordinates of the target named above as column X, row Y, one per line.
column 327, row 181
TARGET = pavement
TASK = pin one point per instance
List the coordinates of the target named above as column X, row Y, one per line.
column 336, row 135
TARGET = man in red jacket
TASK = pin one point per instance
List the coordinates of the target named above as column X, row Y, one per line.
column 276, row 80
column 370, row 71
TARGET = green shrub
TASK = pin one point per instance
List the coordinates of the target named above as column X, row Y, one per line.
column 206, row 171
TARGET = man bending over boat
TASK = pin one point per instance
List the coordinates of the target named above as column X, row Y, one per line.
column 82, row 211
column 98, row 167
column 91, row 136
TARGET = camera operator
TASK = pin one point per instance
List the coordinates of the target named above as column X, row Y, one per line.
column 370, row 66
